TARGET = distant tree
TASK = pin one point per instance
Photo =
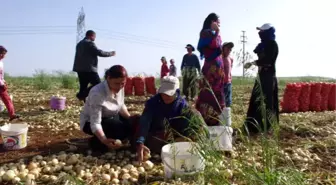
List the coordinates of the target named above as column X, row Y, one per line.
column 243, row 59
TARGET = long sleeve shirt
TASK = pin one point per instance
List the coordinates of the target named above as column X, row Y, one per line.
column 86, row 57
column 172, row 70
column 191, row 61
column 2, row 74
column 267, row 59
column 164, row 70
column 156, row 111
column 101, row 104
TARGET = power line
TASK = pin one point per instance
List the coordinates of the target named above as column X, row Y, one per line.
column 137, row 36
column 114, row 37
column 23, row 29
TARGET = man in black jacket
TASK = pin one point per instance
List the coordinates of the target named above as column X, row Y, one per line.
column 86, row 63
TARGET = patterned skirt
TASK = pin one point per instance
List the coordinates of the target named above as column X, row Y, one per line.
column 211, row 100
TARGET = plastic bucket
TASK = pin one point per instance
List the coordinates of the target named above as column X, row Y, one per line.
column 2, row 105
column 57, row 103
column 14, row 136
column 222, row 137
column 225, row 117
column 178, row 159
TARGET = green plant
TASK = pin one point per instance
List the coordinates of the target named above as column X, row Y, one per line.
column 42, row 80
column 68, row 80
column 246, row 168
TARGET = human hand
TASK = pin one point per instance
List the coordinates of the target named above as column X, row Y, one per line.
column 113, row 53
column 142, row 151
column 215, row 26
column 247, row 65
column 111, row 144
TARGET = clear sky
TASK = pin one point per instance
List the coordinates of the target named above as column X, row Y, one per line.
column 41, row 34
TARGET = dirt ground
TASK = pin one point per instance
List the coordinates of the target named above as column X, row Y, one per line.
column 313, row 132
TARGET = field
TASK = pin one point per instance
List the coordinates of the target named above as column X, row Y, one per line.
column 304, row 152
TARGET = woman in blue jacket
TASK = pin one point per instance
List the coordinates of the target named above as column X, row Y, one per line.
column 166, row 116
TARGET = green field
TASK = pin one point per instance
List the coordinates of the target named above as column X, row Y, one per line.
column 302, row 150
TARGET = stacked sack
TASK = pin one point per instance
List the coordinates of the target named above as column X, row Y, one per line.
column 129, row 87
column 139, row 86
column 325, row 90
column 290, row 101
column 304, row 98
column 315, row 97
column 150, row 85
column 332, row 97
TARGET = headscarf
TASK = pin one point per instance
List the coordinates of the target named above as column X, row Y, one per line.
column 265, row 36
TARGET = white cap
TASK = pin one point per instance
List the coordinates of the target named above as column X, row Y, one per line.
column 265, row 26
column 169, row 85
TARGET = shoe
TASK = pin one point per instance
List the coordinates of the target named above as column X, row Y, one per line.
column 14, row 117
column 80, row 98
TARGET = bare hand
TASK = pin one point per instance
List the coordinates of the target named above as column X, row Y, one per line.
column 215, row 26
column 141, row 151
column 113, row 53
column 247, row 65
column 111, row 144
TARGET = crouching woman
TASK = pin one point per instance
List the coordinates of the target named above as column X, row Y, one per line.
column 166, row 117
column 105, row 115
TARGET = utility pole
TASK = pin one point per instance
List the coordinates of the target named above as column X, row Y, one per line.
column 244, row 53
column 80, row 26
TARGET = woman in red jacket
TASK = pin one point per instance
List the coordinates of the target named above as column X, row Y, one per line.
column 164, row 67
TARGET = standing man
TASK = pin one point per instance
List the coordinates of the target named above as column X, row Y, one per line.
column 189, row 67
column 86, row 63
column 172, row 68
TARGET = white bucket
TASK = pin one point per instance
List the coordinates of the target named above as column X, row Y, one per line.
column 2, row 105
column 222, row 137
column 178, row 159
column 225, row 116
column 14, row 136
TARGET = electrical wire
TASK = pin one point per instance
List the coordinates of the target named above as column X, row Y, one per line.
column 106, row 36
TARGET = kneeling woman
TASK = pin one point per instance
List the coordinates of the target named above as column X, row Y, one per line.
column 105, row 115
column 166, row 116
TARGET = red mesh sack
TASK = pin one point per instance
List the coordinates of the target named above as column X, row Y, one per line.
column 332, row 97
column 129, row 87
column 291, row 98
column 315, row 97
column 325, row 90
column 304, row 98
column 150, row 85
column 139, row 86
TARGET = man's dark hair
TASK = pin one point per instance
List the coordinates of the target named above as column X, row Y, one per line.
column 116, row 71
column 89, row 33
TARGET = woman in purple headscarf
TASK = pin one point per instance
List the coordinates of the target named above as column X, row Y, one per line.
column 210, row 102
column 264, row 102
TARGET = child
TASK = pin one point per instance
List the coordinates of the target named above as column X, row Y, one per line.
column 3, row 88
column 164, row 67
column 228, row 62
column 172, row 68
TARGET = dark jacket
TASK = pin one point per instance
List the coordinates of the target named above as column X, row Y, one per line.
column 191, row 61
column 267, row 57
column 156, row 111
column 86, row 58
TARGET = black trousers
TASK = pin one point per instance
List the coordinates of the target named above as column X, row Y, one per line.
column 86, row 78
column 115, row 127
column 260, row 115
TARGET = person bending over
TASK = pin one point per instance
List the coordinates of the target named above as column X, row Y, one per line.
column 166, row 116
column 105, row 115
